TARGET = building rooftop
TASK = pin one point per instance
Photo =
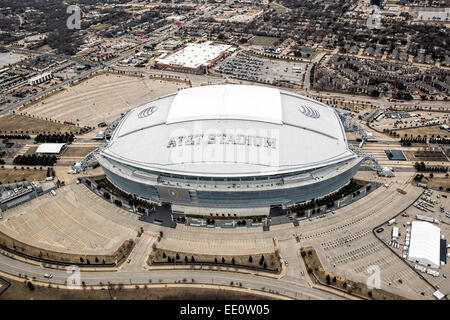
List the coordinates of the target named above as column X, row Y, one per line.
column 50, row 148
column 229, row 130
column 195, row 55
column 425, row 243
column 227, row 102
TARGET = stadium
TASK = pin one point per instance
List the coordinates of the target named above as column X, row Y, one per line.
column 229, row 147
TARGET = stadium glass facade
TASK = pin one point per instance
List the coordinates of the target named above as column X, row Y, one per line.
column 207, row 197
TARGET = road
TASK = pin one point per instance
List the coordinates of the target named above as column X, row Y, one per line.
column 315, row 60
column 253, row 282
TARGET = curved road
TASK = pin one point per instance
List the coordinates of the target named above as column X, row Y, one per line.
column 253, row 282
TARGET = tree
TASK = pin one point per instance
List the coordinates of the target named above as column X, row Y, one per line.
column 261, row 261
column 250, row 259
column 328, row 279
column 30, row 286
column 233, row 261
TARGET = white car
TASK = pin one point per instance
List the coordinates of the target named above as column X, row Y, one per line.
column 48, row 275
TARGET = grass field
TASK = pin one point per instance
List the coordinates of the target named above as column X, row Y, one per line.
column 272, row 261
column 422, row 131
column 100, row 26
column 11, row 175
column 18, row 124
column 439, row 180
column 74, row 151
column 264, row 41
column 31, row 151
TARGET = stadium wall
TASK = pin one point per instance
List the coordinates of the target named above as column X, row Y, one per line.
column 230, row 199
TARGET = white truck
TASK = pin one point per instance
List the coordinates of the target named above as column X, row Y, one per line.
column 394, row 233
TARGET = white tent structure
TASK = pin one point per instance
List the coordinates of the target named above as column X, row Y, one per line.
column 425, row 244
column 50, row 148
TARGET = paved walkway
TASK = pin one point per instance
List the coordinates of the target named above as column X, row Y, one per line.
column 139, row 255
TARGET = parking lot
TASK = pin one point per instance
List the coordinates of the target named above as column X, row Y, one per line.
column 429, row 205
column 410, row 122
column 245, row 66
column 7, row 58
column 101, row 99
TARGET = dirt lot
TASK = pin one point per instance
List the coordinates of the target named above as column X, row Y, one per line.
column 425, row 156
column 19, row 290
column 422, row 131
column 102, row 98
column 16, row 123
column 439, row 180
column 31, row 150
column 11, row 175
column 271, row 260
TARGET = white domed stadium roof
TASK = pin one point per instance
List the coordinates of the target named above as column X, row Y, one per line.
column 229, row 131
